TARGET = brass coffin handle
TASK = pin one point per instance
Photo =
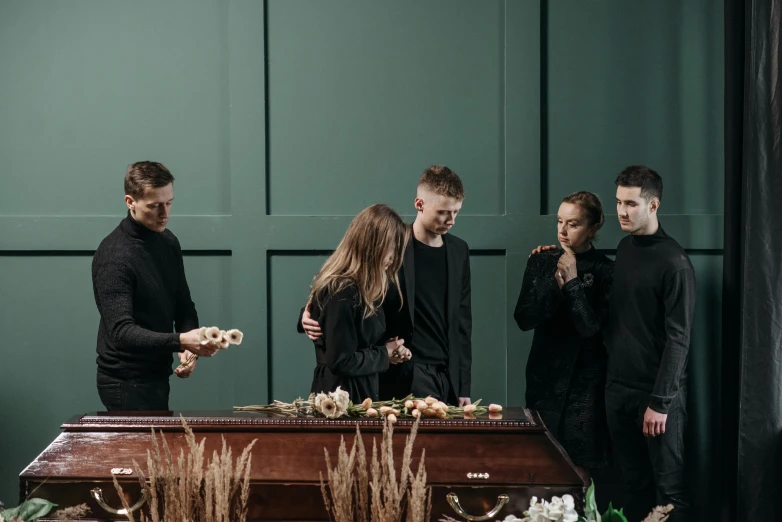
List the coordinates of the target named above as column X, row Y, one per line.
column 97, row 494
column 453, row 500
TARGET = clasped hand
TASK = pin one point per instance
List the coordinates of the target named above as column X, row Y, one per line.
column 397, row 353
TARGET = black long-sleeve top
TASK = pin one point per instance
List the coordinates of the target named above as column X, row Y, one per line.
column 651, row 311
column 138, row 278
column 350, row 354
column 567, row 361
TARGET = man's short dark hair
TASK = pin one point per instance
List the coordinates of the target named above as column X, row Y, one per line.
column 144, row 175
column 442, row 181
column 641, row 176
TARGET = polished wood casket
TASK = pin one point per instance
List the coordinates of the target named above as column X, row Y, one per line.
column 477, row 459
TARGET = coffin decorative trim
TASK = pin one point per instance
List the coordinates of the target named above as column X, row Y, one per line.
column 165, row 421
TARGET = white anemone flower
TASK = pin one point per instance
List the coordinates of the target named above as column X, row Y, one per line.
column 319, row 398
column 235, row 336
column 341, row 399
column 328, row 408
column 202, row 335
column 224, row 342
column 213, row 334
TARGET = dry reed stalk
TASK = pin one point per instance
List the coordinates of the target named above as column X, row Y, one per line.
column 419, row 506
column 341, row 483
column 123, row 500
column 352, row 496
column 362, row 480
column 186, row 492
column 70, row 514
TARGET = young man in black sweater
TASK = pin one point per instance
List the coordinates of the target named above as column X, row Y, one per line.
column 648, row 337
column 435, row 321
column 146, row 314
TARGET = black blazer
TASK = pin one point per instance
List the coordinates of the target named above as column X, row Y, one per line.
column 351, row 352
column 400, row 322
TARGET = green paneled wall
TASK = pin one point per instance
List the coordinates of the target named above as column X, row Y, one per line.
column 281, row 119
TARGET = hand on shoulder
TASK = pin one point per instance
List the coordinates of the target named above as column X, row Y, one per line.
column 542, row 248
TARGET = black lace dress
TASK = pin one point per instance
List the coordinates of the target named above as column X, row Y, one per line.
column 567, row 362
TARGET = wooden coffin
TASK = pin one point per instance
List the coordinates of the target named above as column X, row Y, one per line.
column 477, row 459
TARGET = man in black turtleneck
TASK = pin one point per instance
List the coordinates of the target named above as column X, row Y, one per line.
column 146, row 314
column 648, row 337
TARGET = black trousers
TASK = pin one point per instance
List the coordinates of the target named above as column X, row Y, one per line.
column 422, row 380
column 133, row 395
column 652, row 467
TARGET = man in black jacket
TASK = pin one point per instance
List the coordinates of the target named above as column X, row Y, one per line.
column 648, row 337
column 146, row 313
column 435, row 320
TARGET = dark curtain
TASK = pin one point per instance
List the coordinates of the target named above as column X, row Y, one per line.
column 752, row 285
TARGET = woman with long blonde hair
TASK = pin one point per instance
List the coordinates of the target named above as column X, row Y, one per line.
column 346, row 298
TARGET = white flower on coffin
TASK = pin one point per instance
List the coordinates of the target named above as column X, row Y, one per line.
column 319, row 398
column 511, row 518
column 328, row 408
column 235, row 336
column 342, row 400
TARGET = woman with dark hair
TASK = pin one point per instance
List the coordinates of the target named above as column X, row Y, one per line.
column 564, row 298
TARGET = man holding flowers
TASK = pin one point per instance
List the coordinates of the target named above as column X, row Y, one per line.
column 146, row 313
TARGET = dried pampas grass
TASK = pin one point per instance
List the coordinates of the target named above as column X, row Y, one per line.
column 353, row 494
column 190, row 489
column 71, row 513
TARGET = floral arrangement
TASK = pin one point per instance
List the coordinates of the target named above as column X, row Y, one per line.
column 212, row 334
column 564, row 510
column 337, row 403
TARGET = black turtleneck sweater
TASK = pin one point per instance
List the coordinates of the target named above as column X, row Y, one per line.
column 650, row 317
column 138, row 278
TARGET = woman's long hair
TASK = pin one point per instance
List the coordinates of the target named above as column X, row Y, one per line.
column 358, row 260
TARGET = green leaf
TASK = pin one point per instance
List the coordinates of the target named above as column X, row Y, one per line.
column 31, row 509
column 591, row 512
column 612, row 515
column 477, row 402
column 9, row 513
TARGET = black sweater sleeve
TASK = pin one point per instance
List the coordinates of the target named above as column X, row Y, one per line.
column 338, row 320
column 587, row 319
column 113, row 283
column 537, row 300
column 679, row 301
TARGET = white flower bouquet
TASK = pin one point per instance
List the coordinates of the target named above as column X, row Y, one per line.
column 337, row 403
column 213, row 334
